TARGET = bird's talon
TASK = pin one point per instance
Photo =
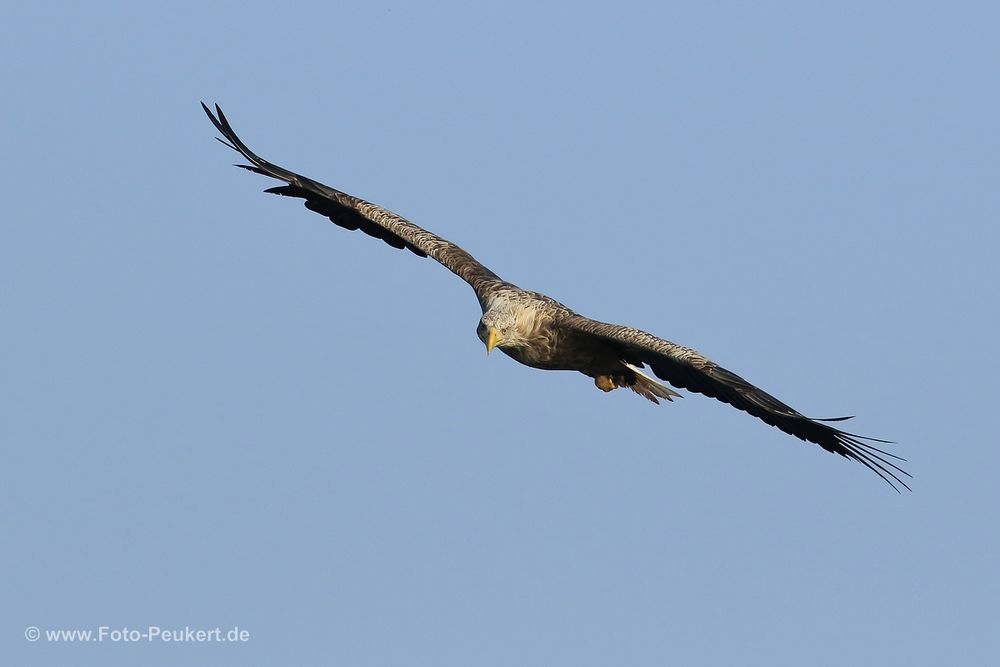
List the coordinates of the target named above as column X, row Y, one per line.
column 605, row 382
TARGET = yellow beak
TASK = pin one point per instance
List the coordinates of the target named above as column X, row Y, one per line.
column 492, row 339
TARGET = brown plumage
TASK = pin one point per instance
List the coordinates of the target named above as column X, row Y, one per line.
column 542, row 333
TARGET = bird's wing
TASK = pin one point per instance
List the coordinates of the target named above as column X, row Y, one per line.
column 353, row 213
column 687, row 369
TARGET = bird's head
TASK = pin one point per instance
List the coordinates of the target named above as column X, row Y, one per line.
column 498, row 327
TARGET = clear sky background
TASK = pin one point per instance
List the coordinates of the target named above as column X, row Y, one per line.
column 218, row 409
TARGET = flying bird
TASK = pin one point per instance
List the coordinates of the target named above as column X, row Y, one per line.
column 542, row 333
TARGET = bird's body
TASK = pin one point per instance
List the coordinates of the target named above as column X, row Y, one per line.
column 539, row 333
column 542, row 333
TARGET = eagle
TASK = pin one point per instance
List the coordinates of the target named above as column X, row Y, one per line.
column 540, row 332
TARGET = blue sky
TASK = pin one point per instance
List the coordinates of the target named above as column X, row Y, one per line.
column 220, row 410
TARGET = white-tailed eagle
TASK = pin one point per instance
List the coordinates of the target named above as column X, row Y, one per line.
column 542, row 333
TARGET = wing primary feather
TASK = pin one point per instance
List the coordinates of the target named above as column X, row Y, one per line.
column 227, row 144
column 862, row 452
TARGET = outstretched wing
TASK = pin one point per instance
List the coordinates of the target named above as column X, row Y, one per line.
column 687, row 369
column 353, row 213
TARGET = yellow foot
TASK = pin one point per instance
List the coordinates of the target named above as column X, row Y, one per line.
column 605, row 382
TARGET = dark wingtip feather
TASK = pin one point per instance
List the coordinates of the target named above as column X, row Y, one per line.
column 227, row 144
column 877, row 460
column 223, row 119
column 283, row 190
column 211, row 117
